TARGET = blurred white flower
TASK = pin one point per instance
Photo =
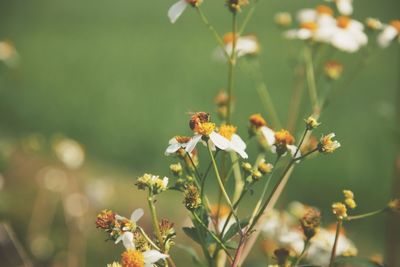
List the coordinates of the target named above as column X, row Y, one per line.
column 390, row 33
column 70, row 152
column 349, row 35
column 53, row 179
column 280, row 141
column 345, row 7
column 246, row 45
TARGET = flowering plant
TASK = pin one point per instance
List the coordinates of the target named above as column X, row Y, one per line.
column 224, row 235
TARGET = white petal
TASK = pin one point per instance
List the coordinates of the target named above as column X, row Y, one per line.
column 152, row 256
column 238, row 150
column 269, row 135
column 219, row 141
column 176, row 10
column 136, row 215
column 172, row 148
column 292, row 150
column 307, row 15
column 127, row 240
column 238, row 141
column 192, row 143
column 172, row 141
column 304, row 34
column 247, row 45
column 119, row 217
column 344, row 40
column 386, row 36
column 118, row 239
column 345, row 7
column 165, row 181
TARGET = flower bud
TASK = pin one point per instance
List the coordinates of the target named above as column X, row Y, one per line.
column 265, row 168
column 236, row 5
column 333, row 69
column 310, row 222
column 311, row 123
column 283, row 19
column 256, row 175
column 192, row 197
column 176, row 169
column 340, row 210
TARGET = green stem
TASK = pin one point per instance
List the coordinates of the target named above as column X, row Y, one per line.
column 312, row 88
column 268, row 104
column 333, row 253
column 231, row 66
column 365, row 215
column 148, row 238
column 306, row 155
column 248, row 17
column 303, row 252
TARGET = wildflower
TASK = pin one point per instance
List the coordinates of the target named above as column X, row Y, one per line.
column 176, row 10
column 282, row 141
column 348, row 35
column 168, row 233
column 327, row 145
column 236, row 143
column 264, row 167
column 114, row 264
column 192, row 197
column 247, row 167
column 153, row 183
column 333, row 69
column 246, row 45
column 389, row 33
column 256, row 175
column 134, row 258
column 283, row 19
column 105, row 219
column 236, row 5
column 394, row 205
column 126, row 224
column 176, row 143
column 340, row 210
column 8, row 54
column 176, row 169
column 373, row 24
column 310, row 222
column 345, row 7
column 70, row 152
column 311, row 123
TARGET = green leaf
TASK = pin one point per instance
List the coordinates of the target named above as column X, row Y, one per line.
column 193, row 254
column 234, row 229
column 192, row 233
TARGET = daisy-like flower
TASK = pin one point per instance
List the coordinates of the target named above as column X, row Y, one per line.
column 390, row 32
column 153, row 182
column 176, row 143
column 176, row 10
column 246, row 45
column 128, row 224
column 280, row 141
column 134, row 258
column 348, row 35
column 345, row 7
column 236, row 143
column 327, row 144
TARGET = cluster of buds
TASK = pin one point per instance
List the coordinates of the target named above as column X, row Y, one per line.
column 141, row 242
column 310, row 222
column 311, row 123
column 236, row 5
column 349, row 199
column 167, row 232
column 153, row 183
column 222, row 102
column 327, row 144
column 340, row 210
column 333, row 70
column 255, row 174
column 176, row 169
column 192, row 197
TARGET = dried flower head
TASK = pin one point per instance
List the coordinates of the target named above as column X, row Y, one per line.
column 311, row 123
column 168, row 233
column 394, row 205
column 236, row 5
column 310, row 222
column 340, row 210
column 327, row 145
column 282, row 257
column 105, row 220
column 176, row 169
column 333, row 69
column 283, row 19
column 192, row 197
column 141, row 242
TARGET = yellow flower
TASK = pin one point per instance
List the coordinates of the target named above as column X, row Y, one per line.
column 311, row 123
column 394, row 205
column 348, row 194
column 327, row 145
column 350, row 203
column 132, row 258
column 340, row 210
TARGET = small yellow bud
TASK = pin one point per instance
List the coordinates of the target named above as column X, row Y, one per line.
column 265, row 168
column 348, row 194
column 333, row 70
column 176, row 169
column 256, row 175
column 311, row 123
column 247, row 167
column 350, row 203
column 283, row 19
column 373, row 24
column 394, row 205
column 340, row 210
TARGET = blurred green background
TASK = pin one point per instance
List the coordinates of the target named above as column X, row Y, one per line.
column 120, row 79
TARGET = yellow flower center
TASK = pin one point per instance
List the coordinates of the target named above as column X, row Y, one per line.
column 132, row 258
column 227, row 131
column 326, row 10
column 312, row 26
column 229, row 37
column 204, row 128
column 396, row 25
column 257, row 120
column 343, row 22
column 194, row 2
column 182, row 139
column 284, row 137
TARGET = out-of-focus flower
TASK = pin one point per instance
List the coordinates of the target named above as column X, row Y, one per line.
column 105, row 220
column 236, row 143
column 134, row 258
column 236, row 5
column 390, row 32
column 327, row 144
column 348, row 35
column 176, row 143
column 333, row 69
column 76, row 204
column 154, row 183
column 310, row 223
column 345, row 7
column 70, row 152
column 283, row 19
column 53, row 179
column 176, row 169
column 373, row 24
column 394, row 205
column 340, row 210
column 311, row 123
column 176, row 10
column 192, row 197
column 114, row 264
column 246, row 45
column 220, row 214
column 264, row 167
column 349, row 199
column 41, row 247
column 8, row 54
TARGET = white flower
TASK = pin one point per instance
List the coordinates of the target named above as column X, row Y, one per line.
column 135, row 216
column 176, row 143
column 176, row 10
column 349, row 35
column 236, row 143
column 280, row 141
column 70, row 152
column 389, row 33
column 245, row 45
column 345, row 7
